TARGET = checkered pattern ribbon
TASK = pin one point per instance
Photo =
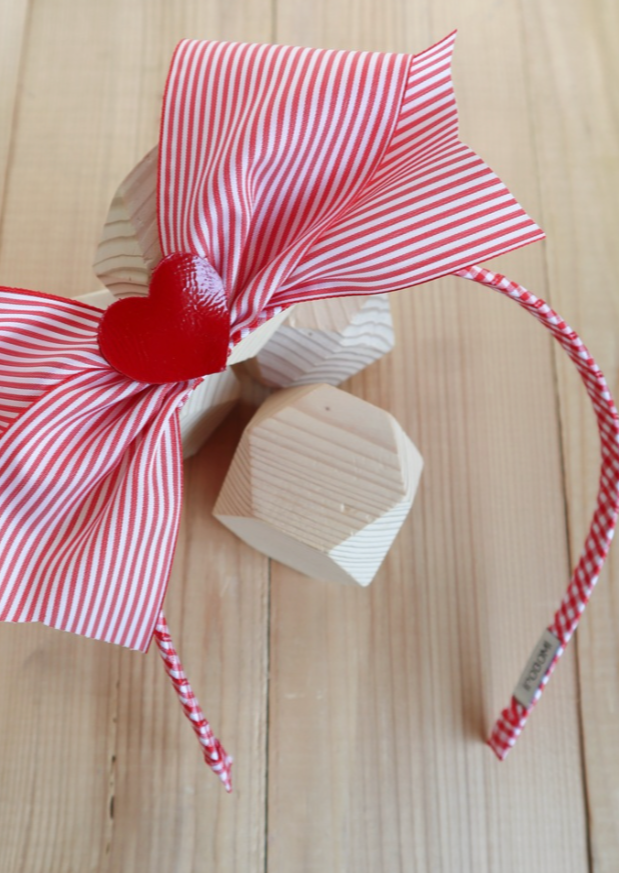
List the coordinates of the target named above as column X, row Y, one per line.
column 585, row 576
column 297, row 174
column 214, row 753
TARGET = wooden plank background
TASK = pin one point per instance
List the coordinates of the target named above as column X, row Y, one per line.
column 356, row 717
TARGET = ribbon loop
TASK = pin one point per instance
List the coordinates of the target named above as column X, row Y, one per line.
column 90, row 480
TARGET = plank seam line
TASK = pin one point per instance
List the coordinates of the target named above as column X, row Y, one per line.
column 25, row 39
column 267, row 736
column 561, row 440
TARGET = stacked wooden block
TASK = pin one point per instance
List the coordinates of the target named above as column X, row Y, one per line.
column 322, row 480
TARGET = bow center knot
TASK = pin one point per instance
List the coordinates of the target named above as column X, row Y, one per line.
column 180, row 331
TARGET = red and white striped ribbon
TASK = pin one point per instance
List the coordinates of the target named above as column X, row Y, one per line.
column 90, row 477
column 298, row 174
column 302, row 174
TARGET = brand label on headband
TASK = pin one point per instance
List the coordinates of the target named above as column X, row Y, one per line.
column 537, row 666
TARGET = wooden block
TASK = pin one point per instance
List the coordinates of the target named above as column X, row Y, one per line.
column 129, row 247
column 101, row 299
column 321, row 481
column 206, row 408
column 253, row 342
column 209, row 404
column 325, row 341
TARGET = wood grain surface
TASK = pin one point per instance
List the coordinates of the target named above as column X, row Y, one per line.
column 325, row 341
column 356, row 716
column 321, row 481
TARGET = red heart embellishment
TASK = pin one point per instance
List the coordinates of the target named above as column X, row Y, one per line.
column 180, row 331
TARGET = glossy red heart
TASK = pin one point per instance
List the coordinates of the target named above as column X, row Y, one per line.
column 180, row 331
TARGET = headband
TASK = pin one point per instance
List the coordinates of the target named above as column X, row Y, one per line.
column 285, row 175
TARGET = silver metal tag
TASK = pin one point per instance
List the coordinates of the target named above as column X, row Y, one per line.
column 536, row 668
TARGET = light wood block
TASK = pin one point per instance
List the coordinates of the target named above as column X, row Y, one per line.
column 325, row 341
column 206, row 408
column 101, row 299
column 250, row 345
column 322, row 481
column 129, row 248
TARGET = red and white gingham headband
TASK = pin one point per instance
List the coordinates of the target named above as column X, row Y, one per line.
column 285, row 174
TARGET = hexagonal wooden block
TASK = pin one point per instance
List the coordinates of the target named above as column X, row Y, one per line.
column 129, row 249
column 206, row 407
column 321, row 481
column 325, row 341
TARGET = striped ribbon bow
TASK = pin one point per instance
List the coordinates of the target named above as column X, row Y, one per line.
column 290, row 174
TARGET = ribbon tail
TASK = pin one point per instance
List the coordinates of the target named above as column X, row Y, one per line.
column 552, row 645
column 214, row 753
